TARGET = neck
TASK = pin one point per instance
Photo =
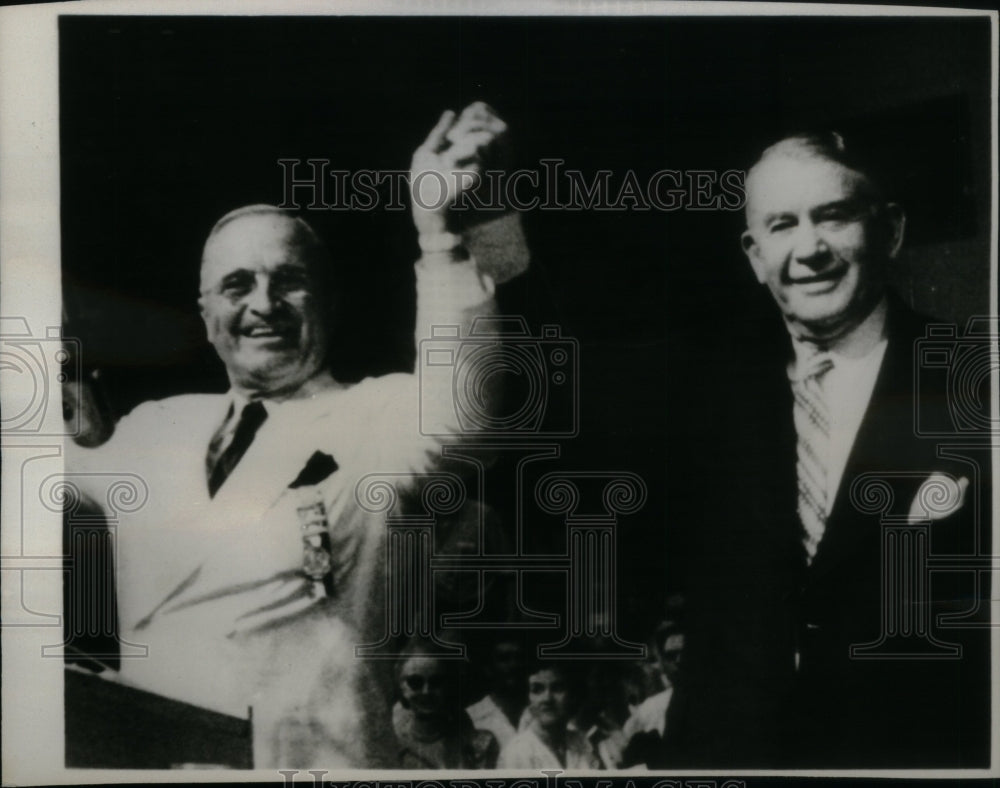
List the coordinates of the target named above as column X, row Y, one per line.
column 854, row 337
column 554, row 736
column 510, row 704
column 321, row 381
column 427, row 728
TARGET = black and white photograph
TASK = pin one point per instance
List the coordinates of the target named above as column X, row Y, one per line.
column 551, row 391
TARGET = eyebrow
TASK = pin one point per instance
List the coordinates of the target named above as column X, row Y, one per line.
column 239, row 273
column 770, row 217
column 849, row 204
column 284, row 268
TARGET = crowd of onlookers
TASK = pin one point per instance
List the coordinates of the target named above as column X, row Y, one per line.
column 534, row 712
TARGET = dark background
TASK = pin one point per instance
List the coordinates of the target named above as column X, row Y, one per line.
column 167, row 123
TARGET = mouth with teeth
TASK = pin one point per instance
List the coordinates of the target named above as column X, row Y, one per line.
column 820, row 282
column 268, row 333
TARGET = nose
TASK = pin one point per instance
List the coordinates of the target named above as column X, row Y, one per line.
column 261, row 300
column 809, row 247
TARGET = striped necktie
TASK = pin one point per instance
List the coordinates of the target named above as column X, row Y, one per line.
column 221, row 461
column 812, row 425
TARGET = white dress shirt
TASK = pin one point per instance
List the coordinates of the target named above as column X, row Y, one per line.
column 527, row 751
column 847, row 388
column 651, row 715
column 486, row 715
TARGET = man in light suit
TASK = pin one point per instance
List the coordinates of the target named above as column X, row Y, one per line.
column 787, row 664
column 257, row 565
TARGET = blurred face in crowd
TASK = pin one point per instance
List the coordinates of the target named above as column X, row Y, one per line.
column 506, row 669
column 261, row 302
column 819, row 239
column 671, row 653
column 422, row 686
column 549, row 697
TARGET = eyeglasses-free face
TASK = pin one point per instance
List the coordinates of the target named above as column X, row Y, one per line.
column 549, row 697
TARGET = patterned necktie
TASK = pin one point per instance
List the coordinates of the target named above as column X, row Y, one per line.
column 812, row 425
column 220, row 462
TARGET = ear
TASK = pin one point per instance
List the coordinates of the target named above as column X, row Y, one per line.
column 895, row 225
column 204, row 316
column 752, row 251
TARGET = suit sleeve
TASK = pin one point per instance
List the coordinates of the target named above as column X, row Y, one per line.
column 450, row 297
column 127, row 451
column 413, row 414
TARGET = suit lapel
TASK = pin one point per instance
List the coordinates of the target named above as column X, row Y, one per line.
column 883, row 443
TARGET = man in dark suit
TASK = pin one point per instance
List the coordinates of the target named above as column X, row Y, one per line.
column 816, row 635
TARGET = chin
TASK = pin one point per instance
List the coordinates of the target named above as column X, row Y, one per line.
column 821, row 312
column 271, row 376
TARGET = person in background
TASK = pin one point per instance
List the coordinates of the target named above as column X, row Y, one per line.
column 651, row 714
column 645, row 730
column 433, row 730
column 612, row 691
column 548, row 742
column 500, row 710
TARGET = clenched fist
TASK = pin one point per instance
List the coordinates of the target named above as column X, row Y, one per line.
column 449, row 162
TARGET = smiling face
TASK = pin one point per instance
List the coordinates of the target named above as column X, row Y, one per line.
column 423, row 685
column 549, row 697
column 820, row 240
column 260, row 300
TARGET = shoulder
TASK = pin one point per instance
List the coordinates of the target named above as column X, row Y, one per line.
column 372, row 395
column 581, row 748
column 175, row 408
column 384, row 390
column 654, row 703
column 482, row 709
column 179, row 416
column 924, row 355
column 649, row 714
column 517, row 752
column 374, row 415
column 577, row 739
column 901, row 316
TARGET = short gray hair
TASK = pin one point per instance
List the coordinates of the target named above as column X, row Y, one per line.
column 828, row 145
column 315, row 252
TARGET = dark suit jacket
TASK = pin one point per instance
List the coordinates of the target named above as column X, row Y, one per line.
column 753, row 603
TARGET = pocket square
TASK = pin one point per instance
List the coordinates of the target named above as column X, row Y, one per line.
column 939, row 496
column 318, row 467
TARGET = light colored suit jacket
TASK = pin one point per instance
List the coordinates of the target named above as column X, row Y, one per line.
column 214, row 586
